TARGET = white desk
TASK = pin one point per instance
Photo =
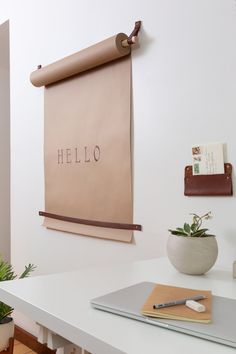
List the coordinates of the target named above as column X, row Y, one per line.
column 60, row 302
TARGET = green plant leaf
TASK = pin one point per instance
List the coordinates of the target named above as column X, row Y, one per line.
column 204, row 235
column 7, row 273
column 187, row 228
column 193, row 227
column 28, row 269
column 5, row 311
column 180, row 229
column 199, row 233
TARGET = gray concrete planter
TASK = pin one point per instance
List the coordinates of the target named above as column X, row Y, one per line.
column 192, row 255
column 6, row 332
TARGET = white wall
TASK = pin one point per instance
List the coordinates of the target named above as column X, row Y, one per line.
column 4, row 142
column 184, row 87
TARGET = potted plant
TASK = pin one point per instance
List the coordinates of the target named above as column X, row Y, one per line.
column 6, row 322
column 191, row 249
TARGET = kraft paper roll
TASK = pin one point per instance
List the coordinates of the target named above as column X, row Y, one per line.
column 103, row 52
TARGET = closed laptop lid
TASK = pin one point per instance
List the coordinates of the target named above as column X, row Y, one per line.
column 128, row 302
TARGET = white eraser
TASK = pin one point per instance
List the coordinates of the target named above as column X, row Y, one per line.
column 194, row 305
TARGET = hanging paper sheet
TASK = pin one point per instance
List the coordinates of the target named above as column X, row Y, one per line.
column 87, row 147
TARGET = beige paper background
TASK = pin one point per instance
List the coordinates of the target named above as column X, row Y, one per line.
column 88, row 110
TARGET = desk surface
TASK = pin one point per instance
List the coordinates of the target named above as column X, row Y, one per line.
column 60, row 302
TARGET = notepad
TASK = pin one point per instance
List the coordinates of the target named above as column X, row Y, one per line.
column 164, row 293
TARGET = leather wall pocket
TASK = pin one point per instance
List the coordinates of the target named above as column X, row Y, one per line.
column 208, row 185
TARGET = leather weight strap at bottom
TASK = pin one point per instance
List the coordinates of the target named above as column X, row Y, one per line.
column 112, row 225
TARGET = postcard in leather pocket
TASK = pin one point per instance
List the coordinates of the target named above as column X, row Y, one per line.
column 208, row 185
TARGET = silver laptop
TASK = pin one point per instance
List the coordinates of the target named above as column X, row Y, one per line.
column 127, row 302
